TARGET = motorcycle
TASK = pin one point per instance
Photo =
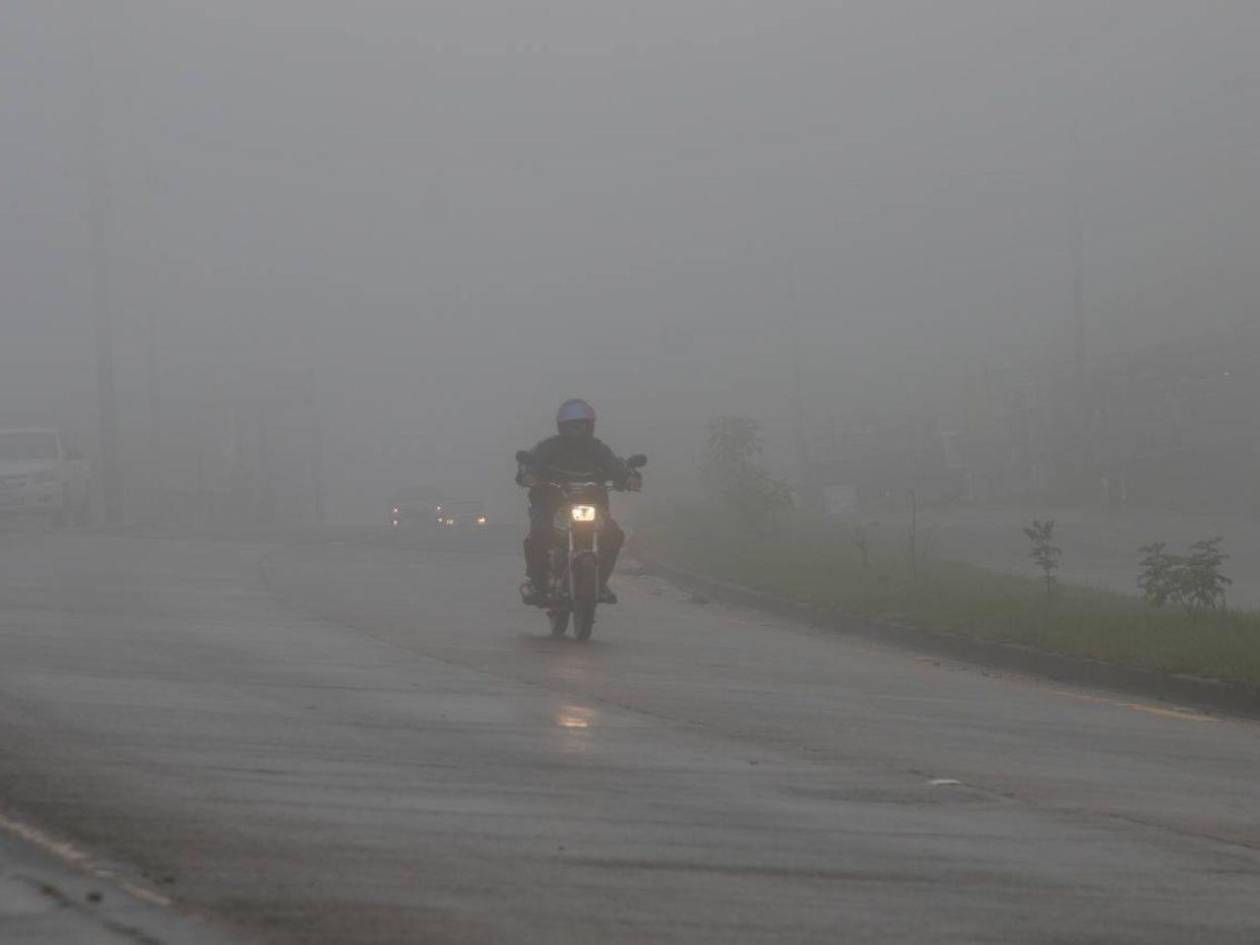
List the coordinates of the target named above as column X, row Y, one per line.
column 573, row 572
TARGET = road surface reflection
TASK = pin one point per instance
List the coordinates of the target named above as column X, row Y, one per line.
column 575, row 725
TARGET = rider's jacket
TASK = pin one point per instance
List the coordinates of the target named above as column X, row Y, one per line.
column 579, row 454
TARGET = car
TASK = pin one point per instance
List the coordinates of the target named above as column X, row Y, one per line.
column 40, row 474
column 413, row 506
column 460, row 513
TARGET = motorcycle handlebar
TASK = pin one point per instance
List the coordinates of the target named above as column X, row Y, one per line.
column 552, row 476
column 535, row 474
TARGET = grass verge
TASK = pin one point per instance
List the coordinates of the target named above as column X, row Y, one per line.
column 824, row 568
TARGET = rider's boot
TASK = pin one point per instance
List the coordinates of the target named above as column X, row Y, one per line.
column 607, row 564
column 534, row 591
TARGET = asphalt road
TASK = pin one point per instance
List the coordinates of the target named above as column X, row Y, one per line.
column 359, row 742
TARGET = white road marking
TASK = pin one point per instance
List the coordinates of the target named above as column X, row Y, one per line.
column 146, row 895
column 70, row 854
column 66, row 852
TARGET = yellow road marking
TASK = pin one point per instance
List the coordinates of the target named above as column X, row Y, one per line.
column 1186, row 714
column 1083, row 697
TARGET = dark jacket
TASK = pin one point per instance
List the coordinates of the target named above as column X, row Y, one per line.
column 580, row 455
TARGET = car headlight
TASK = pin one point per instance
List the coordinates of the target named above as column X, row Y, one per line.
column 583, row 513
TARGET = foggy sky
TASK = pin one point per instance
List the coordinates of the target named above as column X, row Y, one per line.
column 456, row 214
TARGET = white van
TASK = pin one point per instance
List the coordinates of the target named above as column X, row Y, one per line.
column 40, row 475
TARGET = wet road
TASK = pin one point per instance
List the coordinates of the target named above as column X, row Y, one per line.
column 355, row 743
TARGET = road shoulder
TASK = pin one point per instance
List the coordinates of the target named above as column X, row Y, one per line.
column 1207, row 694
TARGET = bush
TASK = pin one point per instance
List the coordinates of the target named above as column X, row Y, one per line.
column 1193, row 581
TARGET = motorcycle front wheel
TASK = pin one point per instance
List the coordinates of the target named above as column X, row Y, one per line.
column 585, row 596
column 559, row 622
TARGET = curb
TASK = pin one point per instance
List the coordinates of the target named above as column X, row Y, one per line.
column 1191, row 691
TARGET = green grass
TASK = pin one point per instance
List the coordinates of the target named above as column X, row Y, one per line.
column 824, row 568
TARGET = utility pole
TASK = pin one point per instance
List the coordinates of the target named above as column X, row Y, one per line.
column 913, row 496
column 154, row 390
column 1084, row 407
column 1076, row 229
column 107, row 398
column 1077, row 239
column 101, row 301
column 316, row 446
column 804, row 475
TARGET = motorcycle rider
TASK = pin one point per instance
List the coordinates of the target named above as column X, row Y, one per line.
column 574, row 447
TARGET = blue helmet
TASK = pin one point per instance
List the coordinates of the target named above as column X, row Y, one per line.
column 575, row 411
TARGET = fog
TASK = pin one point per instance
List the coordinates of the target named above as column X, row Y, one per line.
column 429, row 222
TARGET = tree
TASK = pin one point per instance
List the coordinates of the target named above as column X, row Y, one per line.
column 862, row 541
column 1045, row 552
column 1158, row 579
column 1202, row 584
column 729, row 469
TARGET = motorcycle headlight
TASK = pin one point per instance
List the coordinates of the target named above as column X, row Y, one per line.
column 583, row 513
